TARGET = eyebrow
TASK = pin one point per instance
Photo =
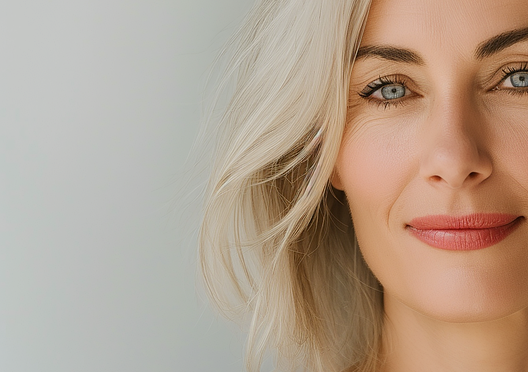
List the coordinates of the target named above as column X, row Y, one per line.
column 485, row 49
column 390, row 53
column 500, row 42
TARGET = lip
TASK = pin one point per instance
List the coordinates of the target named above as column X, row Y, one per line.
column 464, row 233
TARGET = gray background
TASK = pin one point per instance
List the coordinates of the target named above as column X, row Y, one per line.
column 99, row 105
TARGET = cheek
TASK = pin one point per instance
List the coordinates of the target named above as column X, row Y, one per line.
column 374, row 166
column 508, row 144
column 513, row 153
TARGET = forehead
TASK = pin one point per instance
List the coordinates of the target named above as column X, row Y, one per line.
column 442, row 25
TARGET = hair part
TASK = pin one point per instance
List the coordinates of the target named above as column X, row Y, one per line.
column 277, row 241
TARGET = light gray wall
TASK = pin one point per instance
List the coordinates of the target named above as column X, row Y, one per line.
column 99, row 105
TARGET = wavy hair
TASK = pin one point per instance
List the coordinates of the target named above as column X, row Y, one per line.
column 276, row 240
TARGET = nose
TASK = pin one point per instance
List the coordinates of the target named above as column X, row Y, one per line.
column 454, row 153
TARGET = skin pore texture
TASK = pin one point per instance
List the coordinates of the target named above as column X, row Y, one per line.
column 438, row 125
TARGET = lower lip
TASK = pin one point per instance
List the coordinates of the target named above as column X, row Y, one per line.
column 464, row 239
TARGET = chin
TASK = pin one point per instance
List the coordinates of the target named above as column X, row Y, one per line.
column 468, row 304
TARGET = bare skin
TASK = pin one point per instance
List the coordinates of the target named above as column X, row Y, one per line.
column 415, row 342
column 447, row 136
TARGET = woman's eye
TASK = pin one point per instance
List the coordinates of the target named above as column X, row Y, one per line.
column 516, row 80
column 389, row 92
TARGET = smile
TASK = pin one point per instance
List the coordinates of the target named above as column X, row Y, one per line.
column 464, row 233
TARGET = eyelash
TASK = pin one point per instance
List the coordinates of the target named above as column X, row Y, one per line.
column 506, row 73
column 396, row 79
column 380, row 83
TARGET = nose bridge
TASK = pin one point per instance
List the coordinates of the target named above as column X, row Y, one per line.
column 454, row 152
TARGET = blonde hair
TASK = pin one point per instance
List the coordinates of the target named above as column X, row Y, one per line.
column 275, row 235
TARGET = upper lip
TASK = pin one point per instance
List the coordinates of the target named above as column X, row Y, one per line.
column 465, row 222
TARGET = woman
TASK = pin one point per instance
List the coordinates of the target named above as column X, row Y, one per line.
column 416, row 130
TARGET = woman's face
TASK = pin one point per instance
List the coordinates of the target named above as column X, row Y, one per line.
column 434, row 160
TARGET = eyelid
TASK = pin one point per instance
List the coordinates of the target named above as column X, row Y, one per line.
column 380, row 82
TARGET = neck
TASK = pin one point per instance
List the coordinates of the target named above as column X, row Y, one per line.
column 414, row 342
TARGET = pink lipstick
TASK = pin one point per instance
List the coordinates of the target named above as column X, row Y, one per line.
column 464, row 233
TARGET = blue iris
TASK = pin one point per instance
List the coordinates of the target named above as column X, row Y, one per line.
column 519, row 80
column 395, row 91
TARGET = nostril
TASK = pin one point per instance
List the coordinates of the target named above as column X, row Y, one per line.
column 473, row 175
column 455, row 164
